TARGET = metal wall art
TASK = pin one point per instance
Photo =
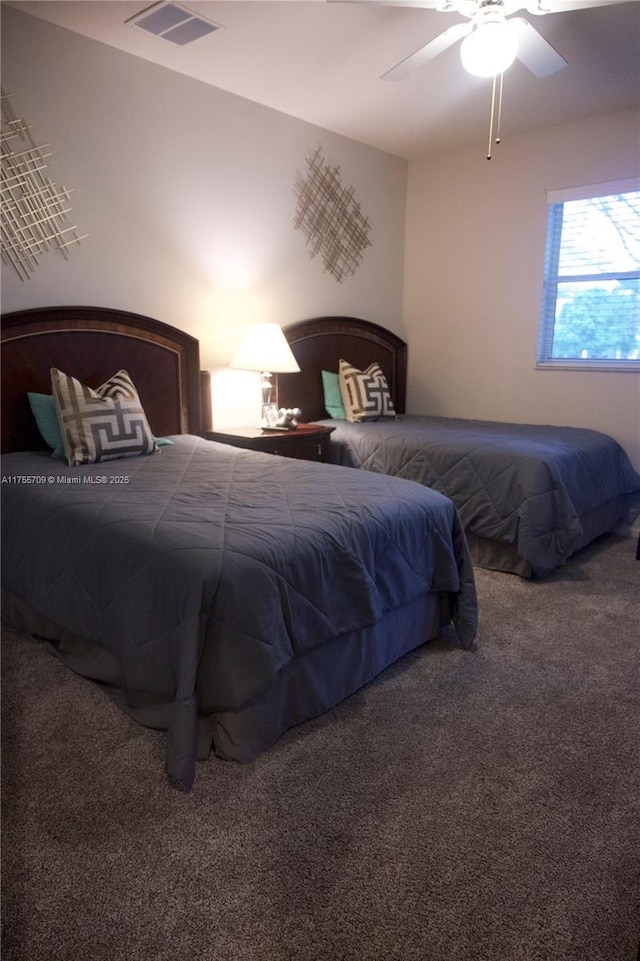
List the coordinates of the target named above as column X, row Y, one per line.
column 330, row 218
column 33, row 208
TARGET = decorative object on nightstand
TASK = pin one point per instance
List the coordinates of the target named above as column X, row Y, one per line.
column 264, row 348
column 288, row 419
column 270, row 416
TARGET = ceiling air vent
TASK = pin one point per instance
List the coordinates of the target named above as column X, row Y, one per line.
column 173, row 23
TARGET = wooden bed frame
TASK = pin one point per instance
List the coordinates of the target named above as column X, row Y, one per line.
column 319, row 344
column 157, row 355
column 163, row 362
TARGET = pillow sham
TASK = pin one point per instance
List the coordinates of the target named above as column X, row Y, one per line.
column 102, row 424
column 365, row 393
column 332, row 396
column 43, row 407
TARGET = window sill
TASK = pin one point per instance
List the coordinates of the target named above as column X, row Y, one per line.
column 626, row 366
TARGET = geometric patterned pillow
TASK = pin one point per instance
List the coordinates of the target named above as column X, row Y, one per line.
column 101, row 424
column 365, row 394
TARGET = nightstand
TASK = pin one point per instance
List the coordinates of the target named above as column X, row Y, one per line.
column 306, row 442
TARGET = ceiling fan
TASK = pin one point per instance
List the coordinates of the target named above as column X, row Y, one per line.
column 493, row 38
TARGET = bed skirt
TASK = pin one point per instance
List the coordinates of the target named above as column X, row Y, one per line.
column 304, row 689
column 499, row 556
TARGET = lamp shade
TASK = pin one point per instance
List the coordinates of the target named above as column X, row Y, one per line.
column 490, row 49
column 265, row 348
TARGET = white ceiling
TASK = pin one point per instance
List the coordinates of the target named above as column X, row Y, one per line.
column 322, row 62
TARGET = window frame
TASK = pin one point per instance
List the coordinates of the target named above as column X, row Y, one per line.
column 556, row 200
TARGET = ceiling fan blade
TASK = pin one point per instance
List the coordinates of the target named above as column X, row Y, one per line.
column 535, row 52
column 428, row 52
column 428, row 4
column 466, row 8
column 540, row 7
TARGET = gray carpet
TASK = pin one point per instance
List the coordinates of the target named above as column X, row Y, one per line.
column 479, row 806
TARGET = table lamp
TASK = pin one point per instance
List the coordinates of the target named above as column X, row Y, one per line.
column 264, row 348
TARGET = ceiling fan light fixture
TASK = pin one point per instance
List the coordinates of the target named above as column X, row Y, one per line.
column 490, row 49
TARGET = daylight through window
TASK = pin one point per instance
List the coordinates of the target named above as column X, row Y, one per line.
column 591, row 298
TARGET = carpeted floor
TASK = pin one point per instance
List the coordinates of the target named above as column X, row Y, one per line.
column 466, row 806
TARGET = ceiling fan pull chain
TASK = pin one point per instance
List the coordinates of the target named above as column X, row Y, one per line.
column 500, row 108
column 493, row 109
column 493, row 112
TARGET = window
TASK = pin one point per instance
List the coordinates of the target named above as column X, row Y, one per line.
column 591, row 297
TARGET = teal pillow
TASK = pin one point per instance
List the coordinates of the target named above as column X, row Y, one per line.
column 332, row 396
column 43, row 407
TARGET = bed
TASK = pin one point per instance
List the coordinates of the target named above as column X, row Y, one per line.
column 529, row 496
column 220, row 594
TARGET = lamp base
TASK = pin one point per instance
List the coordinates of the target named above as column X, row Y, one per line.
column 265, row 387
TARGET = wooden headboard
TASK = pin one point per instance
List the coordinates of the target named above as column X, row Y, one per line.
column 92, row 343
column 319, row 344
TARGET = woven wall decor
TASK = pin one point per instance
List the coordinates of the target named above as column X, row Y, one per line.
column 33, row 209
column 330, row 218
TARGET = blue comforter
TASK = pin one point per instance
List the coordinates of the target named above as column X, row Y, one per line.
column 205, row 554
column 529, row 486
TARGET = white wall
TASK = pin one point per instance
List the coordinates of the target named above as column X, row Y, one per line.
column 475, row 244
column 187, row 194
